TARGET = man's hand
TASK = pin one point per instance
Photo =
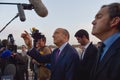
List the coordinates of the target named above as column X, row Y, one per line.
column 27, row 39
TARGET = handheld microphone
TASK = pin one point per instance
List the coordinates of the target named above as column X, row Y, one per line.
column 39, row 7
column 21, row 12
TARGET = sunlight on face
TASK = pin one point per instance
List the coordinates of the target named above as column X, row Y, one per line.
column 58, row 36
column 101, row 24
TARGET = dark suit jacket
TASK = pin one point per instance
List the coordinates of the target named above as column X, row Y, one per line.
column 67, row 65
column 88, row 61
column 109, row 67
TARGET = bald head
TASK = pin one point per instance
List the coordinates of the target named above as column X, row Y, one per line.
column 60, row 36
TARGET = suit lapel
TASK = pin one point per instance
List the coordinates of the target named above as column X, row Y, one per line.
column 54, row 59
column 87, row 51
column 111, row 51
column 60, row 58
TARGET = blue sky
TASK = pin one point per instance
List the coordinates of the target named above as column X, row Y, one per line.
column 70, row 14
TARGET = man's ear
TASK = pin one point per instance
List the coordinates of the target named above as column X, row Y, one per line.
column 115, row 21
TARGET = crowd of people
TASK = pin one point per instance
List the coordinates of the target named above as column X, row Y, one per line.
column 101, row 62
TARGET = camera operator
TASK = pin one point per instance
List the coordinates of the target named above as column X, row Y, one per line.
column 10, row 59
column 8, row 69
column 41, row 72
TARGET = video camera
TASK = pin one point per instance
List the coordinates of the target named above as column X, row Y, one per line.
column 36, row 35
column 8, row 44
column 11, row 44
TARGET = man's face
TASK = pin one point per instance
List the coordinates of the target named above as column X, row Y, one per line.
column 80, row 40
column 40, row 43
column 23, row 48
column 101, row 24
column 58, row 37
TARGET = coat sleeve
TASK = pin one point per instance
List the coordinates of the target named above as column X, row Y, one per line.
column 40, row 58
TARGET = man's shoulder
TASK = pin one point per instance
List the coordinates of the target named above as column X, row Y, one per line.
column 93, row 46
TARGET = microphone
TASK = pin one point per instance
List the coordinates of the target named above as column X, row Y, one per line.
column 21, row 12
column 39, row 7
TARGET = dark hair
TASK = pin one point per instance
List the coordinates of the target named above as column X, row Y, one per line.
column 114, row 11
column 80, row 33
column 4, row 42
column 23, row 46
column 43, row 38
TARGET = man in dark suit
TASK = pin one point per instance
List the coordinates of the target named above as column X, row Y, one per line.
column 88, row 55
column 106, row 27
column 66, row 66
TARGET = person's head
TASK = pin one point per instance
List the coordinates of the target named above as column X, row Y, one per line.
column 41, row 42
column 4, row 42
column 60, row 36
column 82, row 36
column 23, row 47
column 107, row 21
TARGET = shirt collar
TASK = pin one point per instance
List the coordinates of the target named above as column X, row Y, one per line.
column 62, row 47
column 108, row 42
column 87, row 45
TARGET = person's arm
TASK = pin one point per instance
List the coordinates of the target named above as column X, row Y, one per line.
column 40, row 58
column 47, row 50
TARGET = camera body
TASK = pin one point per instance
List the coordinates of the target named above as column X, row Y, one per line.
column 36, row 35
column 11, row 45
column 8, row 44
